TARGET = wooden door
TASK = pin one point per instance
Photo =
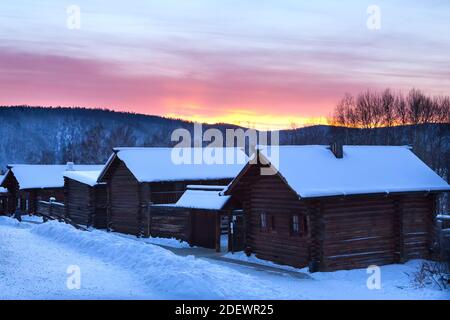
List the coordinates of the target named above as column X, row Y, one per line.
column 203, row 226
column 236, row 234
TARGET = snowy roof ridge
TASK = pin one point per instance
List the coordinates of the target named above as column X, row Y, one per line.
column 86, row 177
column 314, row 171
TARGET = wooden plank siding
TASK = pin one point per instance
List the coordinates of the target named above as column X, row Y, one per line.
column 85, row 205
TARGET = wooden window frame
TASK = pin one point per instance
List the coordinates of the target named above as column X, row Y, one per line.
column 301, row 225
column 269, row 222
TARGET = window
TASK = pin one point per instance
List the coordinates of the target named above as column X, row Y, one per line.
column 267, row 222
column 298, row 224
column 295, row 227
column 263, row 221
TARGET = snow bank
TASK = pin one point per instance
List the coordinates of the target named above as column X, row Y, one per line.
column 166, row 242
column 161, row 271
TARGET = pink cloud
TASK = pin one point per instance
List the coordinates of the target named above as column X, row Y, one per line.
column 54, row 80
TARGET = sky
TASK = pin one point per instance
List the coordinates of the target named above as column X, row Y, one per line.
column 259, row 63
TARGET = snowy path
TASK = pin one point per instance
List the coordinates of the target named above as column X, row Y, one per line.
column 34, row 260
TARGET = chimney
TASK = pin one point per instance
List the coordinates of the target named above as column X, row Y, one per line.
column 337, row 149
column 69, row 166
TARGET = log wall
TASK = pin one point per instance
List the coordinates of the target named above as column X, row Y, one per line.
column 270, row 195
column 124, row 201
column 357, row 232
column 418, row 226
column 85, row 205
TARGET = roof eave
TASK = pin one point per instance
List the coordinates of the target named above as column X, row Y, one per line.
column 374, row 194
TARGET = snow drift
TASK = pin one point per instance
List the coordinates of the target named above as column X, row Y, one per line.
column 161, row 270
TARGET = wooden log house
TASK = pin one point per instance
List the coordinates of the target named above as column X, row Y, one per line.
column 85, row 198
column 5, row 199
column 140, row 177
column 200, row 217
column 338, row 208
column 28, row 184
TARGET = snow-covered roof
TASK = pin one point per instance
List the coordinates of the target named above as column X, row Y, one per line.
column 45, row 176
column 202, row 199
column 85, row 177
column 314, row 171
column 164, row 164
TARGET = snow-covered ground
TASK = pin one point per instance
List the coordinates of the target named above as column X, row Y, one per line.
column 34, row 259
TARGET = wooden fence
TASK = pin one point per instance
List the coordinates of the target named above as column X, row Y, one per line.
column 50, row 209
column 201, row 228
column 167, row 222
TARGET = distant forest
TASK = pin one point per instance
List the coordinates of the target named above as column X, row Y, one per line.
column 57, row 135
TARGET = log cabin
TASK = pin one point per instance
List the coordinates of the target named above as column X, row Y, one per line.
column 4, row 199
column 28, row 184
column 140, row 177
column 85, row 198
column 339, row 207
column 200, row 217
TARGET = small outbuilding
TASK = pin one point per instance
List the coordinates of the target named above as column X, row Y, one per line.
column 138, row 178
column 5, row 199
column 85, row 198
column 338, row 207
column 29, row 184
column 200, row 217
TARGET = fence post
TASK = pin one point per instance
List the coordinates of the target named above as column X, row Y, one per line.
column 149, row 219
column 439, row 227
column 50, row 209
column 218, row 231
